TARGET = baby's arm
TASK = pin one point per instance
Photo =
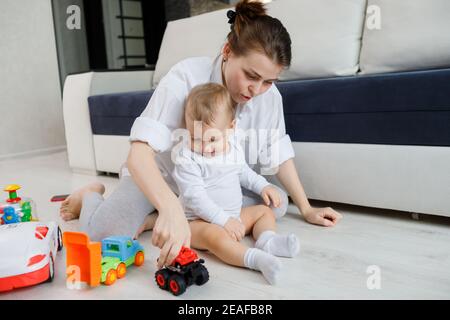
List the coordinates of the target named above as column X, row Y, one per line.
column 259, row 185
column 192, row 189
column 252, row 181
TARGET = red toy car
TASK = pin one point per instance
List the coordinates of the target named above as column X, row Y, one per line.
column 185, row 270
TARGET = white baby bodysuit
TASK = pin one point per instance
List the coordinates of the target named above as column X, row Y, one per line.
column 210, row 188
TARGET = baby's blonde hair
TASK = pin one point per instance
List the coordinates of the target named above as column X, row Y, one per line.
column 204, row 102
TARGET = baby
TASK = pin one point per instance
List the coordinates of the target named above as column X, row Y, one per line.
column 210, row 169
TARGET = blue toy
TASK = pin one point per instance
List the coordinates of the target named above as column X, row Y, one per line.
column 121, row 247
column 10, row 215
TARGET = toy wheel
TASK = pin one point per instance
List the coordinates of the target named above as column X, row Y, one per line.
column 139, row 259
column 203, row 276
column 60, row 241
column 121, row 270
column 111, row 277
column 162, row 277
column 51, row 271
column 177, row 285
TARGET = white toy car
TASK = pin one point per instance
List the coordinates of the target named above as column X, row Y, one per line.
column 27, row 253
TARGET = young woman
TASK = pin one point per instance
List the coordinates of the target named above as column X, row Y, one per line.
column 257, row 50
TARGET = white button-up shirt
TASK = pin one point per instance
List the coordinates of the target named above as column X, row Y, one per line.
column 260, row 119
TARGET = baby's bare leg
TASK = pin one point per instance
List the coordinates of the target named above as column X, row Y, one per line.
column 258, row 219
column 207, row 236
column 214, row 238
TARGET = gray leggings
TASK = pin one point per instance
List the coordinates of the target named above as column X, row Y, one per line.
column 125, row 210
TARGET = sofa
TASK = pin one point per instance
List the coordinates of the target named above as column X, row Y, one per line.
column 366, row 101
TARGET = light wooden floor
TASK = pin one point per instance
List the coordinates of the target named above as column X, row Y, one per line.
column 413, row 257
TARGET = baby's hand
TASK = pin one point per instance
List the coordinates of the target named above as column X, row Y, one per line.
column 235, row 229
column 271, row 195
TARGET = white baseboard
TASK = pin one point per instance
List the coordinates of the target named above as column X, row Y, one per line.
column 33, row 153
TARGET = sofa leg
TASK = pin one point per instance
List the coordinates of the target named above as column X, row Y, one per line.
column 86, row 171
column 415, row 216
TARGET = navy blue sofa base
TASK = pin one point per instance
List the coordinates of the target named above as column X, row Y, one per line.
column 405, row 108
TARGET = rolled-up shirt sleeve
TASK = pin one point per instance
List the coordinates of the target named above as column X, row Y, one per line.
column 277, row 148
column 163, row 114
column 155, row 133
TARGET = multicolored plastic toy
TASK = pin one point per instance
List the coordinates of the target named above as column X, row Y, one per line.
column 103, row 262
column 28, row 252
column 185, row 270
column 16, row 209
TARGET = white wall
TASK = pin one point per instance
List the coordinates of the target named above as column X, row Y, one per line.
column 30, row 98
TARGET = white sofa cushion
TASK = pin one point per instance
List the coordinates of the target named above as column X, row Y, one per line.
column 413, row 34
column 326, row 37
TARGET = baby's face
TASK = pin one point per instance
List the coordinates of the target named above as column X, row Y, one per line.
column 209, row 140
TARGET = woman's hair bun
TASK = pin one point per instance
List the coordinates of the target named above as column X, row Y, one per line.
column 249, row 10
column 245, row 12
column 253, row 30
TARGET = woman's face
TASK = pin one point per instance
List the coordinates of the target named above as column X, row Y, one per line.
column 248, row 76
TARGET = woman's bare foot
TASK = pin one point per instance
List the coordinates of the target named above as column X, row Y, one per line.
column 148, row 224
column 71, row 207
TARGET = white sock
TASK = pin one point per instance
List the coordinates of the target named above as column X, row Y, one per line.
column 269, row 265
column 279, row 245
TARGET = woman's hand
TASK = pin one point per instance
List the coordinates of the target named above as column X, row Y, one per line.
column 171, row 232
column 271, row 195
column 235, row 229
column 322, row 216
